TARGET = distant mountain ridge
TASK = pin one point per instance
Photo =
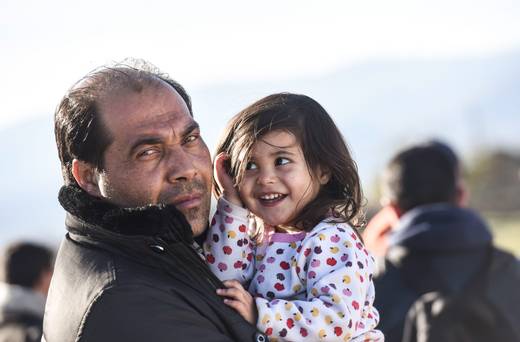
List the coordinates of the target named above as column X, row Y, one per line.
column 379, row 107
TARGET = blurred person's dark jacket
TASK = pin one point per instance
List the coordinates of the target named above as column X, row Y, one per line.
column 122, row 276
column 21, row 313
column 438, row 247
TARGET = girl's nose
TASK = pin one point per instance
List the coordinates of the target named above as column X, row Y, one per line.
column 266, row 177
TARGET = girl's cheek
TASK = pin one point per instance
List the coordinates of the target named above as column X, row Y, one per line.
column 242, row 190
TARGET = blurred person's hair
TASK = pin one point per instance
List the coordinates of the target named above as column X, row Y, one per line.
column 78, row 128
column 423, row 174
column 23, row 263
column 322, row 145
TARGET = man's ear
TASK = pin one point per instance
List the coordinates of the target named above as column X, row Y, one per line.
column 86, row 175
column 396, row 209
column 392, row 207
column 323, row 175
column 43, row 283
column 462, row 194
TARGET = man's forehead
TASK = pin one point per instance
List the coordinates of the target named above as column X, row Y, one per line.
column 170, row 125
column 151, row 108
column 172, row 119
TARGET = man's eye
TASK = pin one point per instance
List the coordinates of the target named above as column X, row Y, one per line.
column 148, row 153
column 281, row 161
column 251, row 166
column 191, row 138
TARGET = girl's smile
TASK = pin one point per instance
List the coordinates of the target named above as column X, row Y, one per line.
column 271, row 199
column 277, row 183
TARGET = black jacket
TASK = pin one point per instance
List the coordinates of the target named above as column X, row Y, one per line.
column 435, row 248
column 133, row 275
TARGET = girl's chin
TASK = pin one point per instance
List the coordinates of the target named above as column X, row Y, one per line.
column 272, row 223
column 280, row 224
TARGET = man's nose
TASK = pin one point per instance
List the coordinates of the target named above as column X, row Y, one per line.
column 181, row 166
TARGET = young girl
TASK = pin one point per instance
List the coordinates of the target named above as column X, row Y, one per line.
column 293, row 247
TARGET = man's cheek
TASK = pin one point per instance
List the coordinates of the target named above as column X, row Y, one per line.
column 135, row 194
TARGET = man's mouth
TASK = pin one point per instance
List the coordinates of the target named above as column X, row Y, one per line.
column 187, row 201
column 270, row 199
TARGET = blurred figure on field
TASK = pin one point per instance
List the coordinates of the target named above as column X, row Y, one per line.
column 25, row 274
column 422, row 174
column 437, row 253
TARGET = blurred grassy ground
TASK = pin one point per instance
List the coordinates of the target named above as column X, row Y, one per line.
column 506, row 231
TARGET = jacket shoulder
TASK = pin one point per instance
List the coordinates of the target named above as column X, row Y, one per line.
column 80, row 275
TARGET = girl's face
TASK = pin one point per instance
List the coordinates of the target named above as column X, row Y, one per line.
column 277, row 183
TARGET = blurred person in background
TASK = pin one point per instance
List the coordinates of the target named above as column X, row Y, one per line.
column 420, row 175
column 429, row 243
column 25, row 274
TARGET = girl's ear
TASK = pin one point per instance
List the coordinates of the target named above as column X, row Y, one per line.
column 323, row 175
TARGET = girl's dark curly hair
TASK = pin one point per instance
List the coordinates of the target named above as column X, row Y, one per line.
column 322, row 144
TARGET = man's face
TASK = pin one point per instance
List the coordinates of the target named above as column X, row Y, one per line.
column 157, row 154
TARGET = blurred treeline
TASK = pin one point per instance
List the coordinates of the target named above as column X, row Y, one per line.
column 493, row 179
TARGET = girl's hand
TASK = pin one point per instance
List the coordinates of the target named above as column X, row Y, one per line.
column 240, row 300
column 224, row 180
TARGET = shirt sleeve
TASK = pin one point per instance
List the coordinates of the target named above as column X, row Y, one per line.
column 228, row 249
column 335, row 269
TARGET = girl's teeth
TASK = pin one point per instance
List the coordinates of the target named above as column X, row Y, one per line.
column 270, row 196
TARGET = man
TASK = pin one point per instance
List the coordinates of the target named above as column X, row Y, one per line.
column 431, row 243
column 137, row 191
column 25, row 275
column 423, row 174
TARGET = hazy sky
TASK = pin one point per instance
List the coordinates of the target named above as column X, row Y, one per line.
column 47, row 45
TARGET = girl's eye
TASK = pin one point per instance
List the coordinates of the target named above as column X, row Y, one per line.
column 281, row 161
column 251, row 166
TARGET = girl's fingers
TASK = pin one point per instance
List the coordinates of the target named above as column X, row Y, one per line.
column 231, row 293
column 233, row 283
column 245, row 296
column 235, row 304
column 224, row 179
column 244, row 310
column 239, row 299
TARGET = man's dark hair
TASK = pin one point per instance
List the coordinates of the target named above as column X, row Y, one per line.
column 23, row 263
column 78, row 127
column 423, row 174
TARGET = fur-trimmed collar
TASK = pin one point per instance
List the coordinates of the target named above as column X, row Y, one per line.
column 97, row 213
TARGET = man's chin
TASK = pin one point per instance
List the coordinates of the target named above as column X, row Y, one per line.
column 198, row 227
column 197, row 219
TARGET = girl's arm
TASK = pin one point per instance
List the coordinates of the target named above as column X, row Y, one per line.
column 228, row 248
column 337, row 272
